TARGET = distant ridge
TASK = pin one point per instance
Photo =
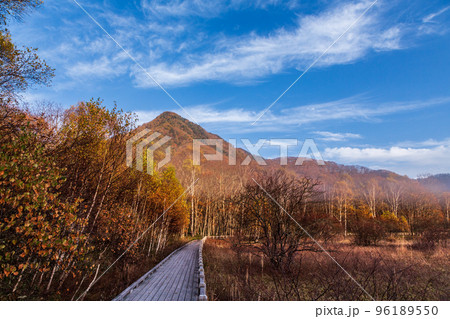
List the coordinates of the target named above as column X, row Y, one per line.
column 436, row 183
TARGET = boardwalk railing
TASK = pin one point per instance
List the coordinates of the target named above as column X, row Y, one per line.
column 201, row 273
column 130, row 289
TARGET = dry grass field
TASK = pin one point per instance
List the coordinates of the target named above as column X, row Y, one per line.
column 392, row 270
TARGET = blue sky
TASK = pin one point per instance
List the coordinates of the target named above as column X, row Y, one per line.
column 379, row 97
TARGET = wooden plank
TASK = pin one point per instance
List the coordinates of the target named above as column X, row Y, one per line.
column 123, row 295
column 154, row 283
column 173, row 292
column 175, row 279
column 190, row 278
column 184, row 285
column 165, row 292
column 168, row 276
column 176, row 272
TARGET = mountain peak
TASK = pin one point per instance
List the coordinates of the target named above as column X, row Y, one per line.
column 178, row 128
column 169, row 115
column 172, row 118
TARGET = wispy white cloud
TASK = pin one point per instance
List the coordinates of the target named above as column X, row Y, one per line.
column 202, row 8
column 433, row 15
column 205, row 113
column 406, row 160
column 255, row 56
column 282, row 142
column 104, row 67
column 430, row 24
column 383, row 155
column 426, row 143
column 352, row 109
column 208, row 114
column 178, row 52
column 336, row 137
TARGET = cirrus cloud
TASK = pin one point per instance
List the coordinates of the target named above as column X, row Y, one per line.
column 253, row 56
column 336, row 137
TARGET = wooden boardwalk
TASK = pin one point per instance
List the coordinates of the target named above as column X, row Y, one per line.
column 175, row 278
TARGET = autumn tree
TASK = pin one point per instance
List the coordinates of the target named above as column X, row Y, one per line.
column 69, row 205
column 394, row 194
column 370, row 192
column 20, row 68
column 445, row 203
column 190, row 174
column 16, row 8
column 37, row 228
column 343, row 193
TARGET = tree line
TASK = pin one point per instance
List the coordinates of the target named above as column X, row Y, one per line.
column 371, row 208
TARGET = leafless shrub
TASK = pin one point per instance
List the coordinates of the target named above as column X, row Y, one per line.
column 270, row 214
column 367, row 230
column 430, row 239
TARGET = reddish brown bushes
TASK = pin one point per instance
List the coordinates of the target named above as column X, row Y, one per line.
column 390, row 272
